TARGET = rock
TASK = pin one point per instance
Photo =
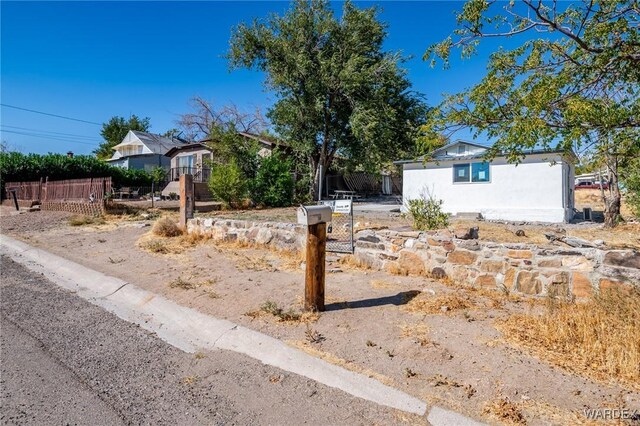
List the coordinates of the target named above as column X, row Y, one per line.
column 493, row 266
column 371, row 238
column 485, row 280
column 466, row 233
column 599, row 243
column 411, row 262
column 581, row 286
column 625, row 259
column 528, row 282
column 438, row 273
column 520, row 254
column 444, row 308
column 576, row 242
column 470, row 245
column 462, row 257
column 520, row 233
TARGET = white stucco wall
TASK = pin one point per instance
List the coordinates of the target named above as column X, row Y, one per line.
column 534, row 190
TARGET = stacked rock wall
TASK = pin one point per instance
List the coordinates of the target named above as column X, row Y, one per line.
column 522, row 268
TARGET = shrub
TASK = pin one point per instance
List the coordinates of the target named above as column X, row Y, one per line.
column 227, row 183
column 273, row 184
column 165, row 227
column 426, row 213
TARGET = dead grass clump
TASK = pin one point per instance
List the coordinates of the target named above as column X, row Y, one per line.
column 382, row 284
column 599, row 338
column 165, row 227
column 506, row 411
column 155, row 246
column 426, row 303
column 419, row 332
column 352, row 262
column 82, row 220
column 183, row 284
column 290, row 316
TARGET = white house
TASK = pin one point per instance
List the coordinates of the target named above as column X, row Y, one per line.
column 540, row 188
column 142, row 150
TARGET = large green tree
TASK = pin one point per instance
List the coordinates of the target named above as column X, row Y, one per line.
column 338, row 92
column 574, row 83
column 114, row 130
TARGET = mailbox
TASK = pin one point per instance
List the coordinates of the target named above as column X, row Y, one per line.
column 312, row 215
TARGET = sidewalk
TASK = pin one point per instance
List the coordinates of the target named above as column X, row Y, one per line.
column 191, row 331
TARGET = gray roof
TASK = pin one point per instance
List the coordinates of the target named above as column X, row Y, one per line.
column 157, row 143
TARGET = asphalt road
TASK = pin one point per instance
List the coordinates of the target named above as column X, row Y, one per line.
column 66, row 361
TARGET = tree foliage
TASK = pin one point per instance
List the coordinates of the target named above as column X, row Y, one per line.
column 114, row 131
column 574, row 85
column 227, row 183
column 338, row 92
column 273, row 184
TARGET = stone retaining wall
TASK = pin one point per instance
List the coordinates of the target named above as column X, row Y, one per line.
column 522, row 268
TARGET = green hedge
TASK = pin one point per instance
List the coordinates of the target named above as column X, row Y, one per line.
column 17, row 167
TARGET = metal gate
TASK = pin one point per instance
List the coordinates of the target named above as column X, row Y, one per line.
column 340, row 230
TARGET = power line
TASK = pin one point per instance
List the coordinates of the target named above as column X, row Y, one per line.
column 45, row 132
column 50, row 137
column 49, row 114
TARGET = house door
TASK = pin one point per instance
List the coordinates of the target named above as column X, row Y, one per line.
column 185, row 164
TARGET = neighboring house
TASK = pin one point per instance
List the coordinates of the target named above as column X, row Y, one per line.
column 144, row 151
column 195, row 159
column 540, row 188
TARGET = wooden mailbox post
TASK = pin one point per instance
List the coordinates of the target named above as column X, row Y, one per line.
column 187, row 204
column 315, row 218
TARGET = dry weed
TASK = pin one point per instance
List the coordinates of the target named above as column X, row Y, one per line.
column 599, row 338
column 187, row 284
column 382, row 284
column 351, row 262
column 505, row 411
column 419, row 332
column 83, row 220
column 290, row 316
column 154, row 246
column 165, row 227
column 330, row 358
column 426, row 303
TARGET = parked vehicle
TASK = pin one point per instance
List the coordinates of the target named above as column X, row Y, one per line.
column 592, row 185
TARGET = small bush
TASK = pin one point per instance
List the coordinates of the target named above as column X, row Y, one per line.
column 165, row 227
column 227, row 183
column 426, row 213
column 273, row 184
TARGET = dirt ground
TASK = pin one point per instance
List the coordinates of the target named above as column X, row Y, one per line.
column 442, row 351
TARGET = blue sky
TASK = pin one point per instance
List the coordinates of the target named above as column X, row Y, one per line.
column 94, row 60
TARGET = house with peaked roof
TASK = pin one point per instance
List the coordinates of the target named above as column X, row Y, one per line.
column 539, row 188
column 143, row 150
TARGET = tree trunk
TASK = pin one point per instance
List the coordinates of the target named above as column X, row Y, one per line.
column 612, row 200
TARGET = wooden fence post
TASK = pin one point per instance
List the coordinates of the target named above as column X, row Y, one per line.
column 186, row 199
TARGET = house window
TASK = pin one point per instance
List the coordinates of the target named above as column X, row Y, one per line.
column 462, row 149
column 461, row 173
column 480, row 172
column 471, row 172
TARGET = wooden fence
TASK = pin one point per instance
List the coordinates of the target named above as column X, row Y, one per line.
column 77, row 190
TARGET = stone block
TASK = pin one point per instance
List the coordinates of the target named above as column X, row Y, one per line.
column 550, row 263
column 493, row 266
column 509, row 277
column 470, row 245
column 528, row 282
column 459, row 274
column 581, row 285
column 411, row 262
column 625, row 259
column 448, row 245
column 558, row 290
column 606, row 285
column 462, row 257
column 520, row 254
column 485, row 280
column 577, row 263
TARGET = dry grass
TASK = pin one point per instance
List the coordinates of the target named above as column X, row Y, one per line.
column 426, row 303
column 599, row 338
column 83, row 220
column 351, row 262
column 165, row 227
column 290, row 316
column 187, row 284
column 417, row 331
column 331, row 358
column 383, row 285
column 505, row 411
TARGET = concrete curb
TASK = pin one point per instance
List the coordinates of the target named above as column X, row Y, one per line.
column 191, row 330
